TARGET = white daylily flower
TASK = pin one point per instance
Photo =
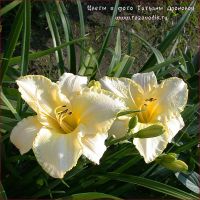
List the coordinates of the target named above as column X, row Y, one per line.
column 71, row 120
column 162, row 103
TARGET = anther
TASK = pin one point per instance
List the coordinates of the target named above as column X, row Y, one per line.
column 62, row 112
column 150, row 99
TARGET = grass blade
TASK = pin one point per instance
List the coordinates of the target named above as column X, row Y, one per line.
column 9, row 7
column 9, row 105
column 153, row 185
column 171, row 36
column 122, row 68
column 55, row 36
column 26, row 37
column 191, row 181
column 105, row 42
column 2, row 193
column 106, row 39
column 71, row 55
column 82, row 31
column 12, row 41
column 25, row 44
column 33, row 56
column 158, row 55
column 91, row 196
column 89, row 63
column 186, row 146
column 117, row 53
column 166, row 63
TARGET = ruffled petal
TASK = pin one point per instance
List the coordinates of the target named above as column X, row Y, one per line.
column 70, row 83
column 150, row 148
column 24, row 133
column 147, row 81
column 125, row 88
column 171, row 95
column 56, row 152
column 174, row 125
column 96, row 109
column 94, row 147
column 41, row 94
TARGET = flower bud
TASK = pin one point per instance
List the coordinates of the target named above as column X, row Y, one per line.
column 177, row 165
column 149, row 132
column 132, row 123
column 170, row 157
column 94, row 83
column 170, row 161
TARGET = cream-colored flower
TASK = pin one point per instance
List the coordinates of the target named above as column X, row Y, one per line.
column 161, row 103
column 71, row 120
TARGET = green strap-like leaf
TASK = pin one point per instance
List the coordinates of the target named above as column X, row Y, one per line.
column 9, row 7
column 170, row 37
column 153, row 185
column 158, row 55
column 116, row 54
column 91, row 196
column 12, row 41
column 82, row 30
column 2, row 193
column 166, row 63
column 106, row 39
column 26, row 37
column 55, row 36
column 71, row 55
column 33, row 56
column 122, row 68
column 191, row 181
column 9, row 105
column 25, row 44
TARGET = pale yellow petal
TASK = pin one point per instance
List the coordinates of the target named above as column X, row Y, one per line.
column 41, row 94
column 124, row 88
column 70, row 83
column 174, row 125
column 171, row 97
column 94, row 147
column 96, row 109
column 47, row 120
column 150, row 148
column 119, row 127
column 56, row 152
column 24, row 133
column 147, row 81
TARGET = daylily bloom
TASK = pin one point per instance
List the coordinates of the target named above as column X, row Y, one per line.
column 72, row 120
column 159, row 103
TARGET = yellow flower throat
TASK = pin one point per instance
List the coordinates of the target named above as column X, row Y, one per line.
column 65, row 118
column 149, row 110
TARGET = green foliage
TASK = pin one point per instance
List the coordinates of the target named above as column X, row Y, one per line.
column 9, row 7
column 160, row 187
column 91, row 196
column 12, row 41
column 122, row 172
column 170, row 37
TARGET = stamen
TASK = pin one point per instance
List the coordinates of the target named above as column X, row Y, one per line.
column 147, row 106
column 63, row 115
